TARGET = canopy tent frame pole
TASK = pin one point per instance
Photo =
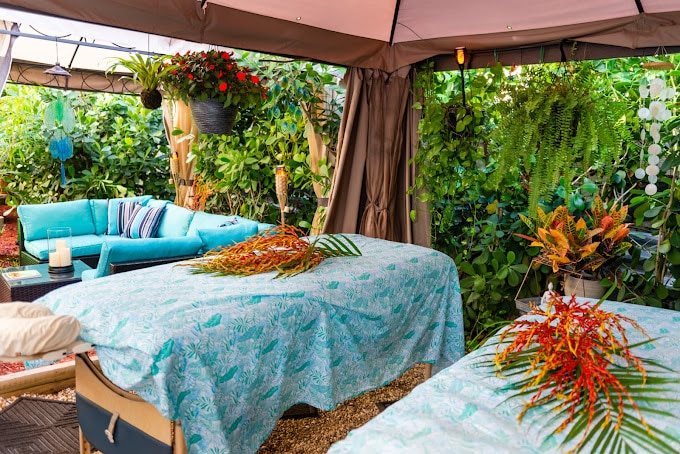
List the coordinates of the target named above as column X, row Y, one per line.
column 76, row 43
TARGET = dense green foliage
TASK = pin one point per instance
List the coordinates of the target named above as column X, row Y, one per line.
column 240, row 167
column 119, row 148
column 474, row 220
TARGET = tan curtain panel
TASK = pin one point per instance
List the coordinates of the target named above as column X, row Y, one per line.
column 177, row 115
column 372, row 174
column 317, row 152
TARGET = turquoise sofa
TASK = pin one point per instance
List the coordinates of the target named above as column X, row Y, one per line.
column 178, row 233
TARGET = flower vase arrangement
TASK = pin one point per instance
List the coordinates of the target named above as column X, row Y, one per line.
column 591, row 246
column 214, row 85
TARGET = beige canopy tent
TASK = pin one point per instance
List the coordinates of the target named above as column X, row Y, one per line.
column 380, row 40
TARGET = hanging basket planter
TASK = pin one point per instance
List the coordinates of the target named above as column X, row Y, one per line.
column 212, row 117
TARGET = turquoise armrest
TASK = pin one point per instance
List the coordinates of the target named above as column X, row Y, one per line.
column 121, row 250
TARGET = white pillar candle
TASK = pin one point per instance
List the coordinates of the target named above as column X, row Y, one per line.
column 60, row 244
column 55, row 259
column 64, row 256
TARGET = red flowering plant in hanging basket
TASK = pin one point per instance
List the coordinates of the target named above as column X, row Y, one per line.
column 213, row 74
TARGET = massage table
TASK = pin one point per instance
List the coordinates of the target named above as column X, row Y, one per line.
column 464, row 408
column 223, row 357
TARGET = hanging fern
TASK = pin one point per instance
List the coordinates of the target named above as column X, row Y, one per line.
column 553, row 128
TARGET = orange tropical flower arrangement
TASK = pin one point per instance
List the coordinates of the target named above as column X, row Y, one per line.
column 594, row 244
column 282, row 248
column 575, row 359
column 213, row 74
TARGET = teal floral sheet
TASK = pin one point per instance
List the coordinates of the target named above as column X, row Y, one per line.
column 463, row 409
column 227, row 355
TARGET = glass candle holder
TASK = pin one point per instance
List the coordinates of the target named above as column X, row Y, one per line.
column 59, row 247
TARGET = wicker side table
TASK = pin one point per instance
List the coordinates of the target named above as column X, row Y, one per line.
column 32, row 289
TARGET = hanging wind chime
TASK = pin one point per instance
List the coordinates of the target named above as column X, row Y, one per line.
column 658, row 94
column 59, row 121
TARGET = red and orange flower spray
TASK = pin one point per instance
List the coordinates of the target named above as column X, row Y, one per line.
column 569, row 353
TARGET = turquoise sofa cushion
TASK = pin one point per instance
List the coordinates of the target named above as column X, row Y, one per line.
column 264, row 226
column 226, row 236
column 100, row 214
column 81, row 246
column 113, row 211
column 175, row 221
column 157, row 203
column 203, row 220
column 118, row 250
column 36, row 219
column 144, row 222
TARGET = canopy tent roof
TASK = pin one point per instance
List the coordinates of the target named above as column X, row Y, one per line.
column 388, row 34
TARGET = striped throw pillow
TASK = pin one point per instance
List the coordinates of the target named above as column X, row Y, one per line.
column 126, row 212
column 144, row 222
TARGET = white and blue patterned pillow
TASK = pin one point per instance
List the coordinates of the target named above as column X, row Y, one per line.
column 144, row 222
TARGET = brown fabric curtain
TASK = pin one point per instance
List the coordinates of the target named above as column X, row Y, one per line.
column 177, row 115
column 378, row 135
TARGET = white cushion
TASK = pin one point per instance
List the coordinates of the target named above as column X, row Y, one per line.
column 30, row 336
column 23, row 310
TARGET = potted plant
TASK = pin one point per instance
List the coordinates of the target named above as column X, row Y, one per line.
column 148, row 72
column 214, row 85
column 588, row 248
column 555, row 124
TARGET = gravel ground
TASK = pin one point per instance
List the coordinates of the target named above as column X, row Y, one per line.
column 311, row 435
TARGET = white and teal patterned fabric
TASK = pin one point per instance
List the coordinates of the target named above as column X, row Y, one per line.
column 463, row 409
column 227, row 355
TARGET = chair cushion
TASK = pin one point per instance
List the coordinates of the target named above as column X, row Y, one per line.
column 81, row 246
column 36, row 219
column 144, row 222
column 202, row 220
column 20, row 336
column 227, row 235
column 175, row 221
column 155, row 203
column 100, row 214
